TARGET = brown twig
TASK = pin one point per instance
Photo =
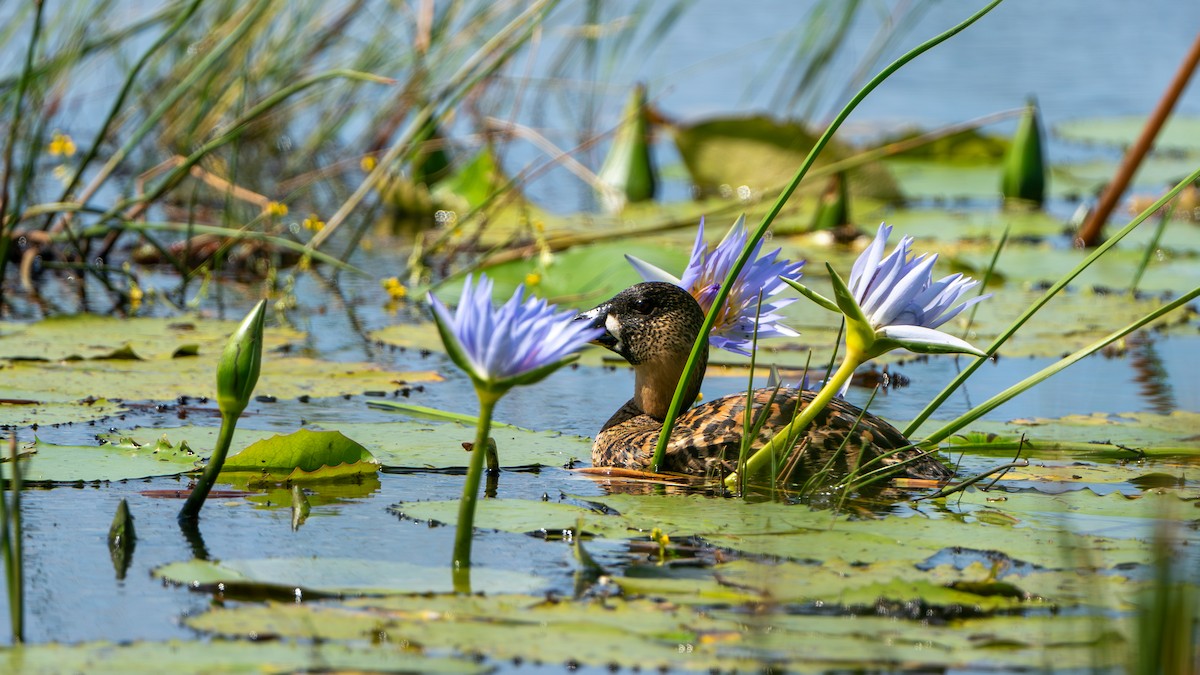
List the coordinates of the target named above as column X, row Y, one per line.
column 1090, row 232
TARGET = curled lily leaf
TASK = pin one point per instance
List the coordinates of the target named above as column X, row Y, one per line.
column 740, row 317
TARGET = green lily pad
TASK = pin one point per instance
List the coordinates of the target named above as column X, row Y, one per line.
column 409, row 444
column 340, row 576
column 762, row 153
column 303, row 455
column 638, row 634
column 124, row 460
column 1179, row 133
column 1159, row 436
column 644, row 634
column 49, row 413
column 91, row 336
column 286, row 377
column 211, row 656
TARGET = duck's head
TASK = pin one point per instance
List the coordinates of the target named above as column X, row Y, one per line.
column 653, row 326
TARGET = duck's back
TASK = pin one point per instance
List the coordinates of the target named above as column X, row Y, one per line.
column 706, row 439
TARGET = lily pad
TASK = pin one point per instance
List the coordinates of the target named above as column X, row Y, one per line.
column 124, row 460
column 638, row 634
column 29, row 412
column 1159, row 436
column 304, row 456
column 339, row 576
column 92, row 336
column 762, row 154
column 210, row 656
column 409, row 444
column 1179, row 133
column 287, row 377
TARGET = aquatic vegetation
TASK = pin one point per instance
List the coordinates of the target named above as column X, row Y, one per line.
column 889, row 303
column 237, row 375
column 742, row 316
column 1024, row 177
column 521, row 342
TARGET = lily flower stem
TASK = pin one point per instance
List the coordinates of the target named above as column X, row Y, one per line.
column 195, row 501
column 461, row 565
column 761, row 461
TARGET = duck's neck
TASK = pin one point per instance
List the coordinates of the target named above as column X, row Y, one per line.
column 654, row 385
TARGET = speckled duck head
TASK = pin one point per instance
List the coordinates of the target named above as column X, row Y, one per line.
column 652, row 326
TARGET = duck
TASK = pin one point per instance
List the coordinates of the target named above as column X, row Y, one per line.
column 653, row 326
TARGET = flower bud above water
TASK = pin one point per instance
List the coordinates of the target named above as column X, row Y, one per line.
column 237, row 372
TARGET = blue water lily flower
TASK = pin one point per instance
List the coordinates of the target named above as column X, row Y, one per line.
column 894, row 302
column 521, row 342
column 735, row 325
column 890, row 303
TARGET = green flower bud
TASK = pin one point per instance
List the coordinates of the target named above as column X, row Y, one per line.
column 237, row 372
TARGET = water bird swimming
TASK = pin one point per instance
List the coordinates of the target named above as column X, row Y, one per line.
column 653, row 326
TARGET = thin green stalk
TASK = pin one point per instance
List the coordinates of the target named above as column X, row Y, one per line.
column 785, row 437
column 17, row 549
column 230, row 233
column 102, row 133
column 769, row 217
column 253, row 14
column 1152, row 246
column 1041, row 302
column 461, row 564
column 455, row 89
column 195, row 500
column 7, row 221
column 987, row 277
column 235, row 129
column 992, row 403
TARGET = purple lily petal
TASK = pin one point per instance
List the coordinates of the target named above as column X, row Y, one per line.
column 706, row 269
column 901, row 300
column 518, row 337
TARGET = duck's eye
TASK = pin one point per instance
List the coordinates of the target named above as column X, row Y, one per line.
column 643, row 305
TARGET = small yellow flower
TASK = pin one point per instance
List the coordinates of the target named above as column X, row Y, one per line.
column 277, row 209
column 135, row 297
column 61, row 145
column 533, row 279
column 305, row 263
column 367, row 163
column 395, row 289
column 539, row 226
column 312, row 222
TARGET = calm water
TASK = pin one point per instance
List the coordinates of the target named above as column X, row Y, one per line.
column 1080, row 58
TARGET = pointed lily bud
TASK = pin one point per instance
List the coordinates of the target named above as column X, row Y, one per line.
column 1025, row 165
column 237, row 372
column 628, row 170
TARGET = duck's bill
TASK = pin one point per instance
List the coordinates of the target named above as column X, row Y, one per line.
column 598, row 318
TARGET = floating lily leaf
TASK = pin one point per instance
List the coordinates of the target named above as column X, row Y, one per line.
column 439, row 446
column 1179, row 133
column 303, row 455
column 413, row 445
column 211, row 656
column 288, row 377
column 760, row 153
column 342, row 576
column 521, row 516
column 644, row 634
column 122, row 461
column 29, row 412
column 92, row 336
column 1159, row 436
column 474, row 183
column 639, row 634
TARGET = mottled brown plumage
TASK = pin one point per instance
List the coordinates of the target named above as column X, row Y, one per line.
column 653, row 325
